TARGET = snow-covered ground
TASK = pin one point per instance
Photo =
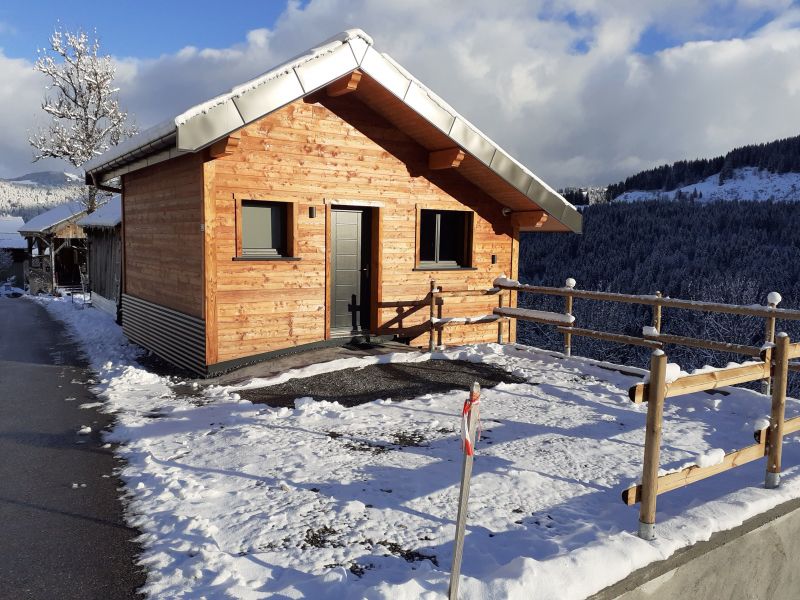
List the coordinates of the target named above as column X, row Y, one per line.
column 746, row 184
column 237, row 500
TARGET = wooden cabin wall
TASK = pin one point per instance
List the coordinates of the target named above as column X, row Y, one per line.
column 311, row 153
column 163, row 215
column 104, row 261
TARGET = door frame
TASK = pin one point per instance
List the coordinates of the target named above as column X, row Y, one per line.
column 375, row 209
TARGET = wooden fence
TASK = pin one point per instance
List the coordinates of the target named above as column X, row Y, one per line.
column 769, row 362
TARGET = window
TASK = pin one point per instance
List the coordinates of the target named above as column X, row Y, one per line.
column 445, row 239
column 264, row 230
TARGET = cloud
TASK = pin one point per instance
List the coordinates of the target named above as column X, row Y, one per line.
column 559, row 83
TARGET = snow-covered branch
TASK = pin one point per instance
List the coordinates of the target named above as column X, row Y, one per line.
column 80, row 100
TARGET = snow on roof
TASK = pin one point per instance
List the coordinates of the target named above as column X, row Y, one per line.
column 344, row 53
column 9, row 232
column 53, row 217
column 108, row 215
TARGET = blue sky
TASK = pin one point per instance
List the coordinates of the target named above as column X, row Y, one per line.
column 144, row 29
column 581, row 91
column 148, row 29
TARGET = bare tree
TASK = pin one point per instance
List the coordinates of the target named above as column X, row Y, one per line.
column 81, row 101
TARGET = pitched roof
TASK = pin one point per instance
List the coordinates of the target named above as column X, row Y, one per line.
column 351, row 50
column 55, row 216
column 9, row 233
column 108, row 215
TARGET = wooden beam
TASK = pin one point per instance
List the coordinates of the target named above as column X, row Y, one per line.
column 449, row 158
column 224, row 147
column 703, row 382
column 345, row 85
column 673, row 481
column 530, row 220
column 610, row 337
column 693, row 305
column 679, row 340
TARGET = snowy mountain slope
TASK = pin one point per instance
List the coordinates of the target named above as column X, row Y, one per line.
column 747, row 183
column 45, row 178
column 33, row 193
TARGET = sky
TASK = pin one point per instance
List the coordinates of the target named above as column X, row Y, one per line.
column 581, row 91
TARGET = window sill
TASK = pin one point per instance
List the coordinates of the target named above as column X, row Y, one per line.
column 269, row 258
column 435, row 268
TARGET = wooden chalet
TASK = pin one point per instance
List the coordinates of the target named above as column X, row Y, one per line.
column 56, row 248
column 313, row 204
column 103, row 229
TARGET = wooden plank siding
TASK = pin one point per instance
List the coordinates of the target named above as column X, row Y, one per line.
column 163, row 244
column 314, row 152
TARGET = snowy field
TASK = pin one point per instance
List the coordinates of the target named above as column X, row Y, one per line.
column 238, row 500
column 747, row 183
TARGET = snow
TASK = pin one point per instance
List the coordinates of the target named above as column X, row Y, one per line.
column 774, row 298
column 710, row 458
column 649, row 331
column 108, row 215
column 9, row 233
column 541, row 315
column 747, row 183
column 54, row 216
column 85, row 430
column 504, row 281
column 321, row 501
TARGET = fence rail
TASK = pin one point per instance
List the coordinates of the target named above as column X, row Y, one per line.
column 772, row 365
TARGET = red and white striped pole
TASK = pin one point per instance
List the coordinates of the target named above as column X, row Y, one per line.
column 470, row 417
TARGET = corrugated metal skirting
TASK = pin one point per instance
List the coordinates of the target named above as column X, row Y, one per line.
column 174, row 336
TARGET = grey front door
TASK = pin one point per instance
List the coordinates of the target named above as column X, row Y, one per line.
column 349, row 270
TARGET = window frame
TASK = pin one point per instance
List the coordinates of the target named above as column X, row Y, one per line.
column 289, row 224
column 469, row 238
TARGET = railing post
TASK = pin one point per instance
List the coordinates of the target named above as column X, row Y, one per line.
column 657, row 315
column 432, row 341
column 500, row 321
column 569, row 284
column 775, row 440
column 773, row 299
column 652, row 445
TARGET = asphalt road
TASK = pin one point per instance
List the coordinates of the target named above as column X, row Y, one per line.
column 62, row 535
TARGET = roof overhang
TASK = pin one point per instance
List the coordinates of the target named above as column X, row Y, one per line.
column 389, row 90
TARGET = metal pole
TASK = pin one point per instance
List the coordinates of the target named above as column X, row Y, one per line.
column 473, row 415
column 431, row 342
column 652, row 445
column 775, row 439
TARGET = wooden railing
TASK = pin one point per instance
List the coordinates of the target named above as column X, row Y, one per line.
column 769, row 440
column 773, row 364
column 651, row 334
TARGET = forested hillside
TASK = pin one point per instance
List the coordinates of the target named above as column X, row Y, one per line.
column 781, row 156
column 28, row 195
column 725, row 251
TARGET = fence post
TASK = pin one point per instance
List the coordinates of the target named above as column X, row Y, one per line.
column 432, row 341
column 775, row 440
column 500, row 320
column 773, row 299
column 652, row 445
column 657, row 315
column 471, row 413
column 569, row 284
